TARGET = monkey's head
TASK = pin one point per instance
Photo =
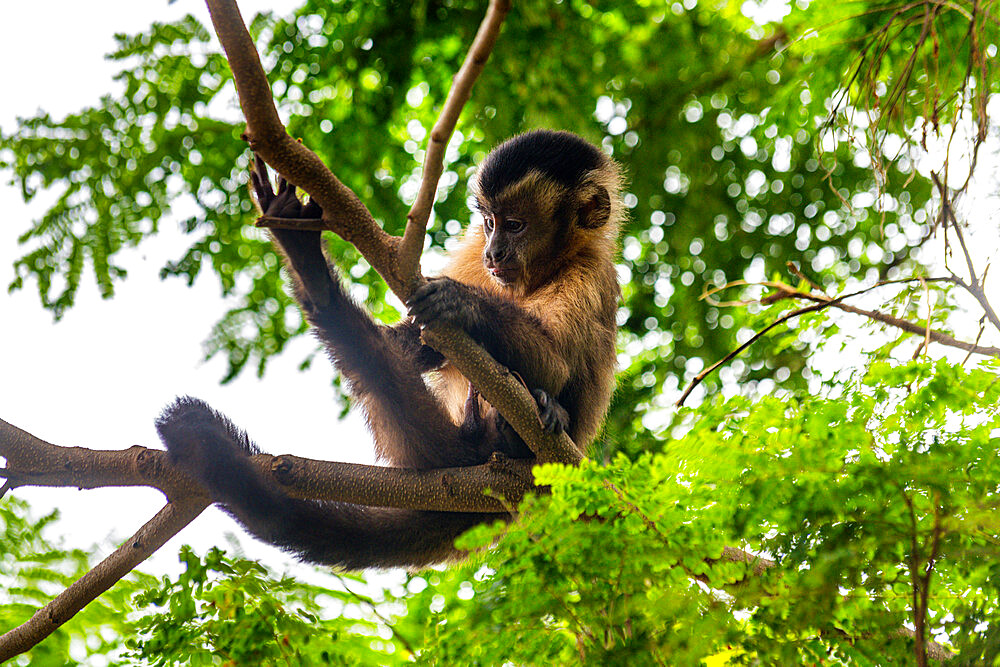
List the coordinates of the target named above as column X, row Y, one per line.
column 545, row 196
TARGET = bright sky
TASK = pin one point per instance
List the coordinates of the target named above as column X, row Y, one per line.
column 99, row 377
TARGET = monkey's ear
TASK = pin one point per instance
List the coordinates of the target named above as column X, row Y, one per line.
column 594, row 209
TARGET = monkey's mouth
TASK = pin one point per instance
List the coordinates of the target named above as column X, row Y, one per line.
column 505, row 275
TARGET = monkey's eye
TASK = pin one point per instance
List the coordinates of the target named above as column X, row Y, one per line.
column 488, row 223
column 514, row 226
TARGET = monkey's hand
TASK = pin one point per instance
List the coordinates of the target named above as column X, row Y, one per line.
column 445, row 300
column 302, row 247
column 284, row 204
column 554, row 417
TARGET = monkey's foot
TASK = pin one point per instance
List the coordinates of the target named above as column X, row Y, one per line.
column 554, row 417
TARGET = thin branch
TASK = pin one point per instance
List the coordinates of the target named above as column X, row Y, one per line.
column 168, row 522
column 461, row 89
column 822, row 301
column 975, row 285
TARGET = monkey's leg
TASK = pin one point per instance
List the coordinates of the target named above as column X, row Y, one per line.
column 382, row 365
column 213, row 450
column 410, row 425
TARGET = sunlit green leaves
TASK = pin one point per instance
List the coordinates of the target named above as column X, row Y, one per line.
column 229, row 609
column 716, row 119
column 853, row 497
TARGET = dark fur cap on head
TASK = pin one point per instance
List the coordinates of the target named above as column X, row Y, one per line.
column 561, row 156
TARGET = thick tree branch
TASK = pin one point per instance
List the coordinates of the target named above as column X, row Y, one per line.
column 445, row 489
column 34, row 462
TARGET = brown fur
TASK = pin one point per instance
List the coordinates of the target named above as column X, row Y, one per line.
column 575, row 304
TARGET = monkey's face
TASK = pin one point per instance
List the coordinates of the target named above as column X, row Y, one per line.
column 521, row 229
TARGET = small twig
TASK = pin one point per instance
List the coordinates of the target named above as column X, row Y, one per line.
column 787, row 292
column 416, row 220
column 698, row 379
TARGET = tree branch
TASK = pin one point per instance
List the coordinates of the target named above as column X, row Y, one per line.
column 416, row 220
column 34, row 462
column 822, row 301
column 168, row 522
column 443, row 489
column 355, row 224
column 343, row 212
column 975, row 284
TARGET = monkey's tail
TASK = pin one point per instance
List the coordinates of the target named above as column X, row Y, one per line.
column 213, row 450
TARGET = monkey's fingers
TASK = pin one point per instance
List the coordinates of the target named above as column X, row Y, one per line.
column 439, row 299
column 262, row 189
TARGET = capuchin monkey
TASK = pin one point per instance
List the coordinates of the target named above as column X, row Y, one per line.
column 534, row 284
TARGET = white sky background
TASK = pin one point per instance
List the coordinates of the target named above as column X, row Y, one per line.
column 100, row 376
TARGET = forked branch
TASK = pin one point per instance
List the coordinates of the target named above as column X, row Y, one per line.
column 344, row 214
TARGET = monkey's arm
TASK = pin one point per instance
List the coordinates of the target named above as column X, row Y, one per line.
column 303, row 250
column 382, row 365
column 515, row 338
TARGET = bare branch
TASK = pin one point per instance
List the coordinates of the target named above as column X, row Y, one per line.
column 168, row 522
column 823, row 301
column 443, row 489
column 461, row 89
column 34, row 462
column 975, row 284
